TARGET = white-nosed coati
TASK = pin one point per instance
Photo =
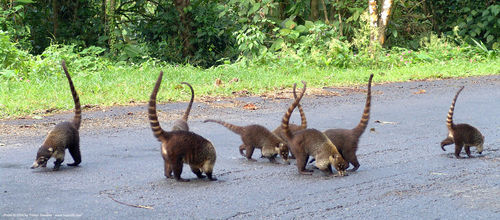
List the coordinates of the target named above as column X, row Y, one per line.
column 347, row 140
column 181, row 124
column 311, row 142
column 294, row 128
column 182, row 146
column 64, row 135
column 462, row 134
column 257, row 136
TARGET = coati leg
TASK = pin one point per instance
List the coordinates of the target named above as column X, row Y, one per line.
column 249, row 152
column 355, row 163
column 58, row 163
column 242, row 148
column 272, row 159
column 328, row 170
column 210, row 177
column 467, row 150
column 176, row 165
column 75, row 153
column 458, row 149
column 197, row 171
column 447, row 141
column 301, row 163
column 167, row 169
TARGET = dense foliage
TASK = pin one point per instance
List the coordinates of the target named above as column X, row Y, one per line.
column 208, row 33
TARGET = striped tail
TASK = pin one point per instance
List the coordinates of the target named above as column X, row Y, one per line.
column 77, row 119
column 303, row 123
column 236, row 129
column 286, row 117
column 363, row 123
column 186, row 114
column 158, row 132
column 449, row 119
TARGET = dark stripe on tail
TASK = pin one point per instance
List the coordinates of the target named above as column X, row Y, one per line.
column 449, row 119
column 77, row 119
column 233, row 128
column 188, row 109
column 158, row 132
column 363, row 123
column 303, row 123
column 286, row 117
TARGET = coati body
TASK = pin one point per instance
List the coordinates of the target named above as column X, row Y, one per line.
column 347, row 140
column 64, row 135
column 182, row 146
column 257, row 136
column 293, row 128
column 463, row 135
column 181, row 124
column 311, row 142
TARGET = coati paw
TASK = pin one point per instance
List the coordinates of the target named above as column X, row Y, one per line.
column 251, row 159
column 213, row 179
column 182, row 180
column 201, row 176
column 306, row 172
column 72, row 164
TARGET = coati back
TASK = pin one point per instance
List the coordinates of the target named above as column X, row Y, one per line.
column 181, row 124
column 347, row 140
column 64, row 135
column 182, row 146
column 293, row 128
column 462, row 134
column 257, row 136
column 311, row 142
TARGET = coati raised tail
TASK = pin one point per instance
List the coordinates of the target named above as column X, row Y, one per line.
column 293, row 128
column 181, row 124
column 347, row 140
column 311, row 142
column 182, row 146
column 462, row 134
column 257, row 136
column 64, row 135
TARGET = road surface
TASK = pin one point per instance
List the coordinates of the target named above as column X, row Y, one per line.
column 403, row 175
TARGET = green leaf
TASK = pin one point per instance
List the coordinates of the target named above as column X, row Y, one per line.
column 309, row 24
column 490, row 38
column 254, row 8
column 301, row 28
column 277, row 44
column 290, row 24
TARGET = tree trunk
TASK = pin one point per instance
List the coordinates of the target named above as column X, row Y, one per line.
column 325, row 13
column 111, row 24
column 180, row 5
column 384, row 20
column 372, row 8
column 55, row 17
column 314, row 10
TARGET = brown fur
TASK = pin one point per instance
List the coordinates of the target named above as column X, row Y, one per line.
column 64, row 135
column 347, row 140
column 182, row 146
column 462, row 134
column 311, row 142
column 181, row 124
column 294, row 128
column 257, row 136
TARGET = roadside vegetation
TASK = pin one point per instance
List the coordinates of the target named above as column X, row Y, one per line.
column 231, row 49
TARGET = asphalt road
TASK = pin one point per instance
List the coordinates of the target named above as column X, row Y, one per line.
column 403, row 175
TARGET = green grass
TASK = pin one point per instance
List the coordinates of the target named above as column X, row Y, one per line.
column 122, row 85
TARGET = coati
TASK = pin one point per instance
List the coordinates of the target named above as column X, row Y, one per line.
column 182, row 146
column 64, row 135
column 181, row 124
column 347, row 140
column 257, row 136
column 294, row 128
column 311, row 142
column 462, row 134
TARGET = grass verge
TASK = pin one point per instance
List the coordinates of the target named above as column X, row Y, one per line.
column 123, row 85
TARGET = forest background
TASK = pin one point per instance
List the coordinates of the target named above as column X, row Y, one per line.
column 116, row 48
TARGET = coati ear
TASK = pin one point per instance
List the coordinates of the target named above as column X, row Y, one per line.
column 281, row 145
column 51, row 149
column 277, row 149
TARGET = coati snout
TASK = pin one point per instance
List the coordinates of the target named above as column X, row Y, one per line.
column 42, row 156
